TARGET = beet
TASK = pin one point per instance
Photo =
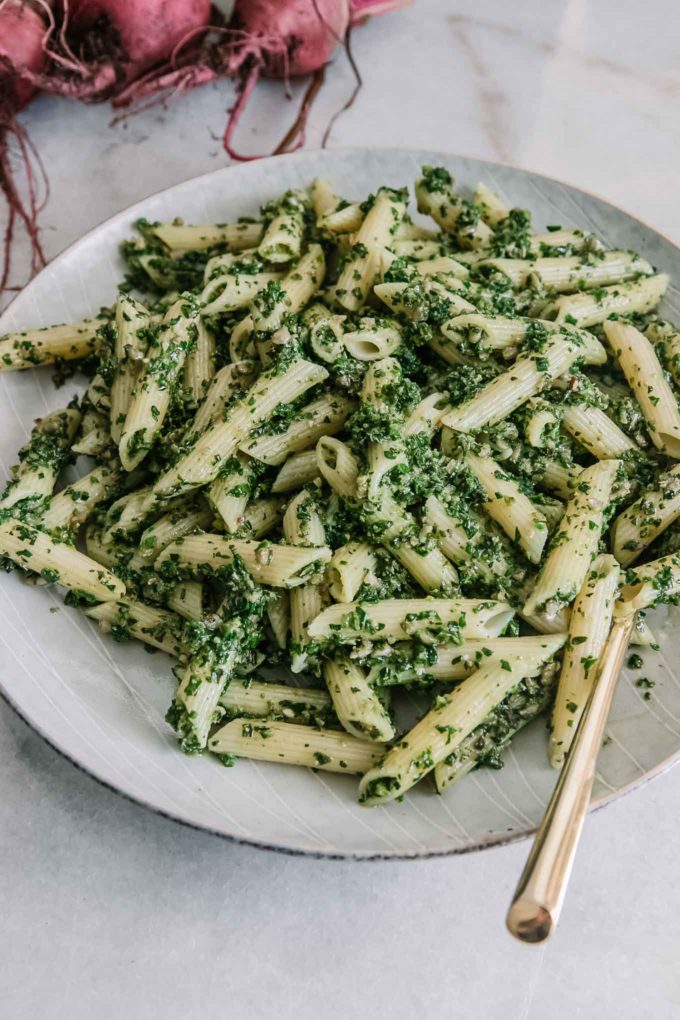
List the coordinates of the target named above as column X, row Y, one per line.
column 99, row 46
column 21, row 47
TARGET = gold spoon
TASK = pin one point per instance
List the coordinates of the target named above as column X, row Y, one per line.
column 536, row 905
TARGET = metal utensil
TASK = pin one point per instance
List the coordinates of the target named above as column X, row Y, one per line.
column 536, row 905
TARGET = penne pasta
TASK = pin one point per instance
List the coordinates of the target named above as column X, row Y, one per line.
column 292, row 744
column 641, row 367
column 350, row 446
column 33, row 347
column 444, row 728
column 575, row 544
column 401, row 619
column 647, row 518
column 591, row 619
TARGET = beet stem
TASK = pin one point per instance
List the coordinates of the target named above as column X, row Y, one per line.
column 359, row 83
column 298, row 127
column 27, row 213
column 237, row 109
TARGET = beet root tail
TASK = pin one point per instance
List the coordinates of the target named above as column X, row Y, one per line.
column 26, row 211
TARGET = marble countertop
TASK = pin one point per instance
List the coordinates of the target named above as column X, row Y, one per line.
column 111, row 911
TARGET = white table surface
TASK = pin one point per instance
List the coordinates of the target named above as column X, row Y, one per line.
column 109, row 911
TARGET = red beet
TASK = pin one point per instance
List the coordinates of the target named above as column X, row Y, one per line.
column 288, row 38
column 269, row 38
column 21, row 47
column 99, row 46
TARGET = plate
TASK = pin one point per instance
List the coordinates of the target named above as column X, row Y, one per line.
column 102, row 704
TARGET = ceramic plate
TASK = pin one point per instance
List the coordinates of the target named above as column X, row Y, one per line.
column 102, row 704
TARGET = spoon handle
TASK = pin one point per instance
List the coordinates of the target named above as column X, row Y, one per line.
column 536, row 905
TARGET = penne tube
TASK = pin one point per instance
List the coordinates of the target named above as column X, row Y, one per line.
column 666, row 340
column 348, row 569
column 377, row 228
column 344, row 220
column 248, row 698
column 94, row 443
column 186, row 599
column 203, row 463
column 98, row 395
column 425, row 415
column 242, row 346
column 196, row 702
column 326, row 331
column 455, row 662
column 647, row 518
column 282, row 240
column 130, row 619
column 73, row 505
column 575, row 543
column 302, row 526
column 235, row 289
column 281, row 566
column 640, row 365
column 171, row 527
column 442, row 266
column 591, row 619
column 475, row 332
column 278, row 614
column 563, row 238
column 466, row 542
column 484, row 745
column 570, row 274
column 444, row 728
column 292, row 744
column 199, row 364
column 40, row 460
column 260, row 517
column 356, row 703
column 322, row 417
column 291, row 294
column 492, row 207
column 399, row 534
column 127, row 514
column 417, row 248
column 57, row 562
column 589, row 309
column 436, row 198
column 657, row 581
column 596, row 432
column 298, row 470
column 228, row 382
column 373, row 340
column 32, row 347
column 505, row 502
column 324, row 199
column 402, row 619
column 230, row 492
column 559, row 479
column 150, row 401
column 132, row 322
column 338, row 466
column 528, row 376
column 180, row 237
column 543, row 417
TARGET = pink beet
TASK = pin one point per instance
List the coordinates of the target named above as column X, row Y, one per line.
column 21, row 48
column 96, row 47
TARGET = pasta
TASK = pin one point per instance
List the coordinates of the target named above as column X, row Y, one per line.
column 393, row 459
column 591, row 619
